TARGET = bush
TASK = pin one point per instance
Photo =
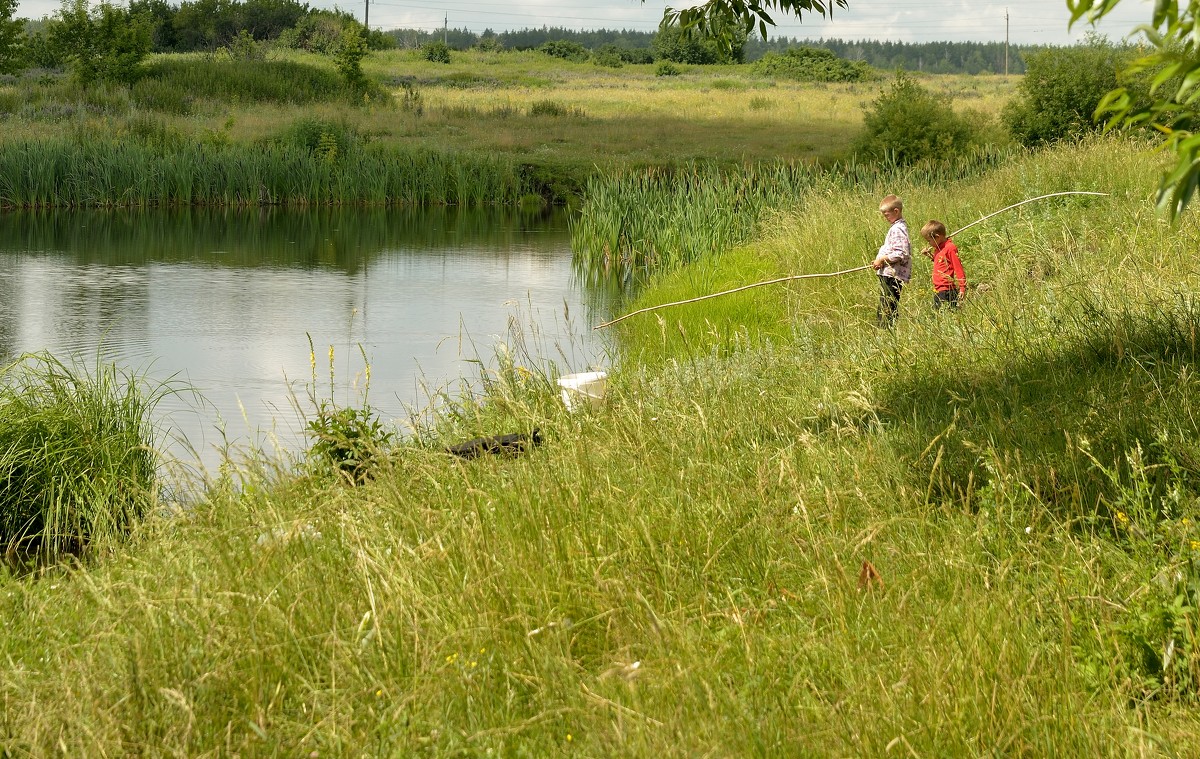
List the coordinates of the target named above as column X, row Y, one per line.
column 105, row 44
column 316, row 33
column 809, row 64
column 907, row 124
column 1061, row 89
column 348, row 59
column 436, row 52
column 77, row 461
column 489, row 44
column 327, row 139
column 608, row 56
column 351, row 441
column 554, row 109
column 568, row 51
column 244, row 49
column 673, row 44
column 636, row 56
column 666, row 68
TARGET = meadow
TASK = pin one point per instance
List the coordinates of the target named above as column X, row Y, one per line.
column 549, row 124
column 680, row 572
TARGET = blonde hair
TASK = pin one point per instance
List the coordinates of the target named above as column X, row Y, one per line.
column 933, row 228
column 891, row 203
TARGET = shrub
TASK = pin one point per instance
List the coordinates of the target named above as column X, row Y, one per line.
column 568, row 51
column 77, row 461
column 608, row 56
column 907, row 124
column 350, row 440
column 666, row 68
column 673, row 44
column 316, row 32
column 636, row 55
column 489, row 44
column 102, row 44
column 348, row 59
column 244, row 49
column 436, row 52
column 324, row 138
column 553, row 108
column 1061, row 89
column 810, row 64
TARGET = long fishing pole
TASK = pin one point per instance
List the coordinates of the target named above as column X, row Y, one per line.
column 834, row 273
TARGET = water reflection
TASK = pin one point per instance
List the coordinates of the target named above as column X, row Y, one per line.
column 227, row 302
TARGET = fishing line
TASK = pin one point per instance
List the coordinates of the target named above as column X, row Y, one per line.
column 834, row 273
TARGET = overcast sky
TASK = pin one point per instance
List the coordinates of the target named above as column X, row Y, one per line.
column 1029, row 21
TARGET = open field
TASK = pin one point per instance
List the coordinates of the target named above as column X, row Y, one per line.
column 677, row 573
column 567, row 119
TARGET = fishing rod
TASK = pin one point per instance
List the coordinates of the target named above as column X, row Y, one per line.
column 834, row 273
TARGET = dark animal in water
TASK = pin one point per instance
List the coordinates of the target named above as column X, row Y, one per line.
column 501, row 445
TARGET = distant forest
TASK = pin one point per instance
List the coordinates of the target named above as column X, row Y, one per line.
column 932, row 57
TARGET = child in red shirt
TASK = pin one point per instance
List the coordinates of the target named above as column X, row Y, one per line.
column 949, row 281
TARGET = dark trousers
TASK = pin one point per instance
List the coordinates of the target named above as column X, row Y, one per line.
column 889, row 301
column 944, row 298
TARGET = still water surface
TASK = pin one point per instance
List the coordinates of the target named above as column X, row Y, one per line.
column 226, row 302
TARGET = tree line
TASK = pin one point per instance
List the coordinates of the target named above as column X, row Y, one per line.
column 80, row 33
column 931, row 57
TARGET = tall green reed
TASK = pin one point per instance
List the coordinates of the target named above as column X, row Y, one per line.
column 643, row 221
column 101, row 173
column 77, row 458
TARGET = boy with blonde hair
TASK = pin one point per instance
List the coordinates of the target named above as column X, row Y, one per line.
column 949, row 280
column 893, row 262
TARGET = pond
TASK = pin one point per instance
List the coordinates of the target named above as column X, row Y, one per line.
column 227, row 302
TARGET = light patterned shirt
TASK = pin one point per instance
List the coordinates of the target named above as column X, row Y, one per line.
column 896, row 252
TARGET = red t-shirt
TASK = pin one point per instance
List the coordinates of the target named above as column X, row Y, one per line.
column 947, row 269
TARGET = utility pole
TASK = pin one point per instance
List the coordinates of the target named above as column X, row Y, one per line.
column 1006, row 41
column 445, row 29
column 367, row 16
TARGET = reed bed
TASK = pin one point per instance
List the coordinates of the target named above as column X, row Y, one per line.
column 639, row 222
column 92, row 174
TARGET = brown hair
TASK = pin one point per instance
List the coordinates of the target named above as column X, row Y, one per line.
column 891, row 203
column 933, row 228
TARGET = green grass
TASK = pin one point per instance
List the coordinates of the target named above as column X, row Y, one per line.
column 649, row 221
column 77, row 459
column 96, row 172
column 676, row 574
column 560, row 122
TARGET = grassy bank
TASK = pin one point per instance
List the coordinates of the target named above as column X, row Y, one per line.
column 677, row 573
column 555, row 123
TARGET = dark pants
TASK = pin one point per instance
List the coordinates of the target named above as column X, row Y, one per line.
column 889, row 301
column 944, row 298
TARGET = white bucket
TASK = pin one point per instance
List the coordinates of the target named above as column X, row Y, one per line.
column 583, row 389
